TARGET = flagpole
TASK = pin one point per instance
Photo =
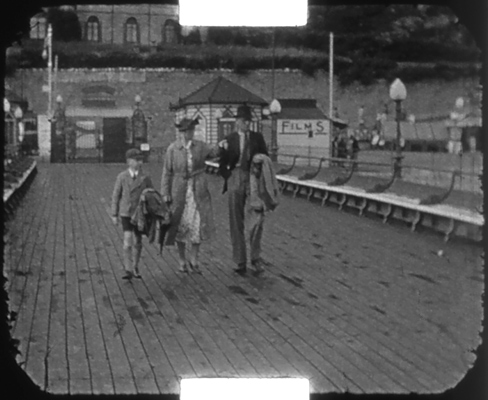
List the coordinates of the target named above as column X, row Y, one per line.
column 55, row 77
column 49, row 69
column 331, row 87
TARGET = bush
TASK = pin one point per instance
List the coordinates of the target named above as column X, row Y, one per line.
column 444, row 71
column 367, row 71
column 424, row 50
column 193, row 38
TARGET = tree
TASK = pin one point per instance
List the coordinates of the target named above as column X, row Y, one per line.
column 65, row 23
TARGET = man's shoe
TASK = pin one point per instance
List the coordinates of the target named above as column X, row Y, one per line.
column 241, row 269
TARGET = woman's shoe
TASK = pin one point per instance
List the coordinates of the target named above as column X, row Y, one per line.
column 183, row 269
column 195, row 268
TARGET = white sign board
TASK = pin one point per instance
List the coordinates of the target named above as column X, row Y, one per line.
column 44, row 136
column 303, row 126
column 144, row 146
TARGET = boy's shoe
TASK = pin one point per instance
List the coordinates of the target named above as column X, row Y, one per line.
column 128, row 275
column 136, row 274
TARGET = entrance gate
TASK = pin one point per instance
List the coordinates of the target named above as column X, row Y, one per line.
column 96, row 139
column 114, row 140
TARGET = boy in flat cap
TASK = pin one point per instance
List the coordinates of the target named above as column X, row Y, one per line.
column 127, row 191
column 234, row 166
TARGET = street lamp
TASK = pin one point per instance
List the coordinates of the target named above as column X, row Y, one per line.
column 398, row 93
column 6, row 106
column 274, row 109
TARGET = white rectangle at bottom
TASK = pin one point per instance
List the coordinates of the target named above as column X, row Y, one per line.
column 245, row 388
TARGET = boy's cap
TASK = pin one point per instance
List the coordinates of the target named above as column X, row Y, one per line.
column 134, row 154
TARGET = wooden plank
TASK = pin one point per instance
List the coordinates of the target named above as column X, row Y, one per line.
column 57, row 373
column 273, row 316
column 78, row 364
column 155, row 354
column 343, row 295
column 21, row 240
column 319, row 287
column 101, row 378
column 110, row 320
column 37, row 362
column 143, row 373
column 333, row 303
column 261, row 334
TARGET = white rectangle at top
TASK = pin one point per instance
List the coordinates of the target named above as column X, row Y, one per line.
column 243, row 13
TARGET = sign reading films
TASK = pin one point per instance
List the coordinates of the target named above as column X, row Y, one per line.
column 303, row 126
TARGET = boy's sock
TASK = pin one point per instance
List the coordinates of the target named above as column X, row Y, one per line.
column 127, row 258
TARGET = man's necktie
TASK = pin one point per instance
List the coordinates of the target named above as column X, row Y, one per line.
column 245, row 153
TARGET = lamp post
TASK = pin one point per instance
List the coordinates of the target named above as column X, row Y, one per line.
column 139, row 129
column 19, row 126
column 274, row 109
column 398, row 93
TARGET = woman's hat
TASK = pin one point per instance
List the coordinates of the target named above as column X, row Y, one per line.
column 134, row 154
column 244, row 112
column 186, row 124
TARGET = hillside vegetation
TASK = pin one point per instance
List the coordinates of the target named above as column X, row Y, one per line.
column 370, row 43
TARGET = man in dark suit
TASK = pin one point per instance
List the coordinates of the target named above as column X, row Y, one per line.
column 234, row 166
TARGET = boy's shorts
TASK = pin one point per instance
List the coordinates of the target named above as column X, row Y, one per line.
column 127, row 225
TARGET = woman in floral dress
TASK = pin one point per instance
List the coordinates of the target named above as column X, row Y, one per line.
column 184, row 185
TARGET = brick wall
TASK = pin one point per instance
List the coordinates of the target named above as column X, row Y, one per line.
column 158, row 88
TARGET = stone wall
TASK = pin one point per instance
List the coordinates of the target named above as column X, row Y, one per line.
column 159, row 87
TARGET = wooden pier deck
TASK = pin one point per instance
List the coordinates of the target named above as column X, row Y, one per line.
column 349, row 303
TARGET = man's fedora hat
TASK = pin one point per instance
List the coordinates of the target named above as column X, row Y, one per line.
column 244, row 111
column 186, row 124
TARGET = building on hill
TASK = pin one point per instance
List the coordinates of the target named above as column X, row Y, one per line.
column 137, row 24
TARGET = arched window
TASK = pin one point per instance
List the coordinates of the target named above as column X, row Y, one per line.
column 131, row 31
column 93, row 29
column 38, row 27
column 169, row 32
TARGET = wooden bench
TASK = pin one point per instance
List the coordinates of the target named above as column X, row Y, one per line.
column 444, row 218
